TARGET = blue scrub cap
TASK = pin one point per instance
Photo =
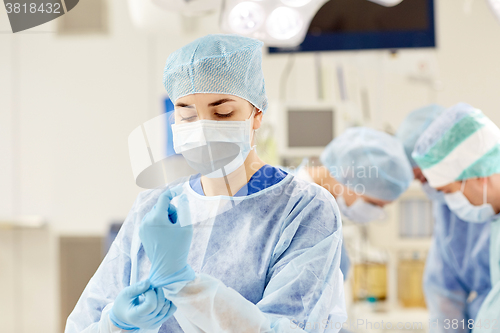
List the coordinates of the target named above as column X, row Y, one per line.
column 218, row 64
column 414, row 125
column 461, row 143
column 371, row 160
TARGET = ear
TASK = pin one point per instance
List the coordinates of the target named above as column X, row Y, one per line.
column 257, row 119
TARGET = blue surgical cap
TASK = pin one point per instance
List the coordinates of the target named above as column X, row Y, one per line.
column 414, row 125
column 218, row 64
column 368, row 160
column 461, row 143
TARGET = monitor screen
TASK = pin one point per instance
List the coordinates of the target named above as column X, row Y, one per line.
column 308, row 128
column 362, row 24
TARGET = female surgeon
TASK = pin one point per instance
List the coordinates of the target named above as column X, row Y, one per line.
column 240, row 247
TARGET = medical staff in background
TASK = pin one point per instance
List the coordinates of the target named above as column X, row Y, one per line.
column 364, row 169
column 459, row 156
column 240, row 247
column 457, row 272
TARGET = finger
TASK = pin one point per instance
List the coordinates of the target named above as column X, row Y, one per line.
column 167, row 311
column 160, row 301
column 137, row 289
column 164, row 201
column 183, row 211
column 149, row 304
column 172, row 214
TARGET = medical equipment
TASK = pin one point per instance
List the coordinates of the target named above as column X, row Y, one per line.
column 495, row 7
column 387, row 3
column 367, row 25
column 304, row 130
column 369, row 281
column 275, row 22
column 410, row 279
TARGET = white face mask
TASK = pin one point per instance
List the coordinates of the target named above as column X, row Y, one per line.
column 460, row 205
column 360, row 211
column 214, row 148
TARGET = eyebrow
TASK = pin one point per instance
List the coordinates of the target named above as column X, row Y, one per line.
column 183, row 105
column 221, row 101
column 216, row 103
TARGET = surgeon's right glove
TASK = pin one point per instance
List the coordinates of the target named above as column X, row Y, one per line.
column 138, row 306
column 166, row 242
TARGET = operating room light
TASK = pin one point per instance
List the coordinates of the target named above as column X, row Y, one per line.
column 295, row 3
column 495, row 6
column 278, row 23
column 246, row 17
column 284, row 23
column 387, row 3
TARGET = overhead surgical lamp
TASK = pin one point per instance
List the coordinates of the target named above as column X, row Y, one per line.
column 387, row 3
column 279, row 23
column 495, row 6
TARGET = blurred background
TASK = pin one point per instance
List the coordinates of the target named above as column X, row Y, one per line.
column 73, row 89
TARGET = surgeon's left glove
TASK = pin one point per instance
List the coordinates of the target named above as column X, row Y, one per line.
column 138, row 306
column 166, row 242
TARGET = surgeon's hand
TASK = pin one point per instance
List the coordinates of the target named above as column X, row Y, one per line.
column 167, row 243
column 138, row 306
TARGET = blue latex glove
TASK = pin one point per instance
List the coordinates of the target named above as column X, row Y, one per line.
column 131, row 310
column 167, row 243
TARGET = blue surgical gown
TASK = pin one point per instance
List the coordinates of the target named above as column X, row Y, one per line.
column 457, row 272
column 278, row 248
column 488, row 317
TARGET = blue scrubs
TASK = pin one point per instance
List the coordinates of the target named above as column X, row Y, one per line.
column 265, row 177
column 457, row 272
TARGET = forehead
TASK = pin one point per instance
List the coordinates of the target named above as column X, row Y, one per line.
column 449, row 187
column 206, row 99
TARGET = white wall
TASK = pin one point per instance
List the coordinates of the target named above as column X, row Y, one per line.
column 63, row 137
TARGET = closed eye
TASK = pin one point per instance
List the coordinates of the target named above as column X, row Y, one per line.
column 224, row 115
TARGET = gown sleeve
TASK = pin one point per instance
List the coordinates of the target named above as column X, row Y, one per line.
column 91, row 313
column 304, row 289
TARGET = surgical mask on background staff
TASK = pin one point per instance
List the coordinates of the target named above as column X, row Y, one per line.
column 460, row 205
column 361, row 211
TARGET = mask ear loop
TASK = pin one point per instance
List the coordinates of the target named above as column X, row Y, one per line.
column 253, row 131
column 462, row 188
column 485, row 191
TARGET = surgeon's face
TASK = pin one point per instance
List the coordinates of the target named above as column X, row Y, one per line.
column 217, row 107
column 473, row 189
